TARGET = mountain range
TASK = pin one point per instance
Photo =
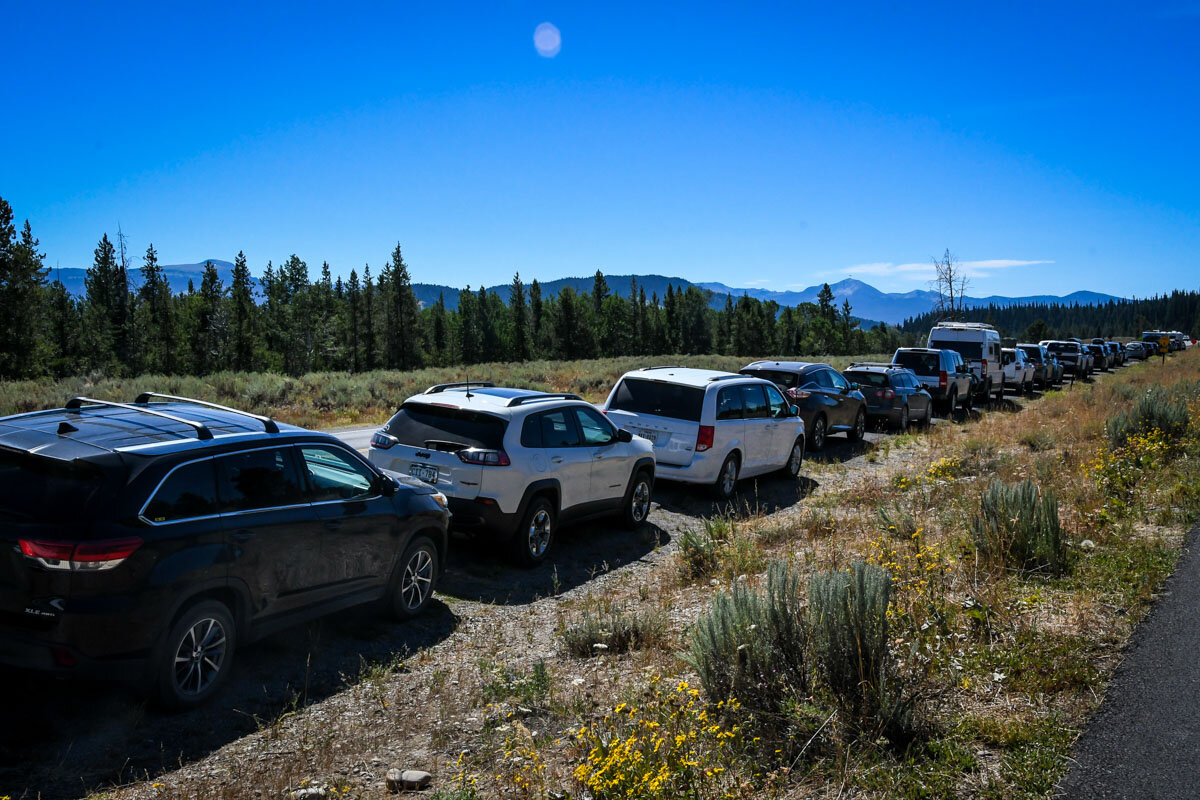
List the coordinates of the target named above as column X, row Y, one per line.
column 868, row 303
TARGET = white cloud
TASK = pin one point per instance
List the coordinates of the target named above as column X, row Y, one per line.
column 761, row 282
column 972, row 269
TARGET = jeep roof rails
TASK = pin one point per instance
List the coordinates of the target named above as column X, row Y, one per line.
column 533, row 398
column 76, row 404
column 441, row 387
column 727, row 377
column 268, row 424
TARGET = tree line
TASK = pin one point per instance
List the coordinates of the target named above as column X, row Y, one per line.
column 1033, row 322
column 293, row 324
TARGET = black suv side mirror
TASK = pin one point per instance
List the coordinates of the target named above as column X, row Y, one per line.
column 624, row 435
column 386, row 485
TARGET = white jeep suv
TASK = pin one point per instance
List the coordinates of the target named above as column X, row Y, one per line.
column 516, row 463
column 709, row 427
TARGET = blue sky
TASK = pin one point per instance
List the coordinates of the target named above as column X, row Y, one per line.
column 1052, row 147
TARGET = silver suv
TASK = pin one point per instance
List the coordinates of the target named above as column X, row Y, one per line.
column 516, row 463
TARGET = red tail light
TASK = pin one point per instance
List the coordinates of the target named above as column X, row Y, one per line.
column 704, row 438
column 886, row 394
column 80, row 556
column 382, row 441
column 799, row 394
column 484, row 458
column 984, row 364
column 942, row 379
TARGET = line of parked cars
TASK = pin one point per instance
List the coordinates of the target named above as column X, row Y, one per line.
column 149, row 539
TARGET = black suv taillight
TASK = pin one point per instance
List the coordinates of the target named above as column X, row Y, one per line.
column 80, row 556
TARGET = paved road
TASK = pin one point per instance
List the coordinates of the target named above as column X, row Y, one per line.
column 1144, row 742
column 358, row 438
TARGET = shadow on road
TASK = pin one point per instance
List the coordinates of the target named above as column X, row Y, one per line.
column 67, row 738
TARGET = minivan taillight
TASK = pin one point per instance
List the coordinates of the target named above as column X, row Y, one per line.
column 942, row 379
column 704, row 438
column 484, row 458
column 382, row 441
column 80, row 556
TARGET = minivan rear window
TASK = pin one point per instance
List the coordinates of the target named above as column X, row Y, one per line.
column 449, row 429
column 920, row 363
column 970, row 351
column 41, row 491
column 661, row 399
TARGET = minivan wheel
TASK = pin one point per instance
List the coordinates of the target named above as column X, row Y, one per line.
column 418, row 572
column 818, row 433
column 533, row 538
column 795, row 458
column 195, row 657
column 637, row 501
column 727, row 478
column 859, row 430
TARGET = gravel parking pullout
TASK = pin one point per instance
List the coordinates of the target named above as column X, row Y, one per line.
column 333, row 677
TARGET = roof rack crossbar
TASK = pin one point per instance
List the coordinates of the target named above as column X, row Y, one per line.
column 890, row 364
column 268, row 424
column 441, row 387
column 661, row 366
column 725, row 377
column 76, row 404
column 533, row 398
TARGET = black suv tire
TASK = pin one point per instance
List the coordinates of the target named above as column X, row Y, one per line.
column 636, row 505
column 416, row 577
column 856, row 433
column 535, row 534
column 203, row 638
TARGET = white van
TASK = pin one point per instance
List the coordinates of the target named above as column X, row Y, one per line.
column 709, row 427
column 979, row 345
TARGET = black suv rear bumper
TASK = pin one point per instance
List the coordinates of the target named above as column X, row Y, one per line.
column 44, row 654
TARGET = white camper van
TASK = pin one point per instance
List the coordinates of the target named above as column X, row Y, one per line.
column 979, row 346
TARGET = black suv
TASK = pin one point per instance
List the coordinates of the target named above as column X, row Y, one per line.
column 148, row 540
column 894, row 394
column 828, row 402
column 943, row 373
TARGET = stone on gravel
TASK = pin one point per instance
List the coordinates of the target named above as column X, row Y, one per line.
column 1087, row 544
column 311, row 793
column 407, row 779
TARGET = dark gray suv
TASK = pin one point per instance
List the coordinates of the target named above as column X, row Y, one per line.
column 943, row 373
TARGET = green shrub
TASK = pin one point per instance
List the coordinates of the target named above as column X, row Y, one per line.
column 1017, row 527
column 617, row 629
column 753, row 645
column 1157, row 409
column 848, row 618
column 722, row 547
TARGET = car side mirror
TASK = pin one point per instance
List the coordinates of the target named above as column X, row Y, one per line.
column 795, row 411
column 386, row 485
column 848, row 389
column 624, row 435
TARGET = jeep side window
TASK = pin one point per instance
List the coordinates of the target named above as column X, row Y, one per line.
column 189, row 491
column 729, row 403
column 258, row 479
column 558, row 428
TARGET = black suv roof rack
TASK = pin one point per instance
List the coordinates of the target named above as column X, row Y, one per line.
column 441, row 387
column 76, row 404
column 662, row 366
column 727, row 377
column 533, row 398
column 268, row 424
column 888, row 364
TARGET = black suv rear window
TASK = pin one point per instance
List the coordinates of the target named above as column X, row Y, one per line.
column 42, row 491
column 658, row 398
column 787, row 380
column 920, row 363
column 869, row 378
column 438, row 428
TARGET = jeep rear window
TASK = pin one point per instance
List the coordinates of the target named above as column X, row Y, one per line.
column 658, row 398
column 42, row 491
column 971, row 351
column 450, row 429
column 920, row 363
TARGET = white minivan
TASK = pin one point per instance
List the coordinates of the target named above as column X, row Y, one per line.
column 709, row 427
column 979, row 345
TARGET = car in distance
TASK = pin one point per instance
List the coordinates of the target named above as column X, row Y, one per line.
column 149, row 540
column 708, row 427
column 516, row 464
column 1137, row 350
column 943, row 373
column 1099, row 356
column 1018, row 371
column 1045, row 368
column 979, row 346
column 1071, row 354
column 828, row 402
column 894, row 394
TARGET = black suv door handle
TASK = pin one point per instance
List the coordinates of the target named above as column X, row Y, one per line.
column 242, row 536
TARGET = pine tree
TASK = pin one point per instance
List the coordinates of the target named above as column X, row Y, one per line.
column 353, row 317
column 536, row 319
column 520, row 319
column 599, row 293
column 104, row 307
column 243, row 327
column 211, row 324
column 406, row 352
column 22, row 299
column 468, row 317
column 154, row 298
column 440, row 330
column 370, row 359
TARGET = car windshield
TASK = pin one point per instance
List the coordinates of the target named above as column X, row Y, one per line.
column 659, row 398
column 44, row 491
column 439, row 428
column 970, row 351
column 920, row 363
column 778, row 377
column 868, row 378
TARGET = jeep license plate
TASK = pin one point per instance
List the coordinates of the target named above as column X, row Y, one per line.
column 423, row 473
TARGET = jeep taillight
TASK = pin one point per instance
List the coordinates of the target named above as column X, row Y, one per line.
column 484, row 458
column 80, row 556
column 382, row 441
column 704, row 438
